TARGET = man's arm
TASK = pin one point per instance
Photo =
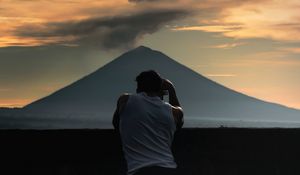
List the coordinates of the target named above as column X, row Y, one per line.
column 173, row 100
column 120, row 105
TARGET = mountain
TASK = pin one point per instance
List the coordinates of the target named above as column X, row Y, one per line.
column 94, row 96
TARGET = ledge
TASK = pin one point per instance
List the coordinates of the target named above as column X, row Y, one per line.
column 210, row 151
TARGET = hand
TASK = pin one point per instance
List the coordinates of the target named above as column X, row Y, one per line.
column 167, row 85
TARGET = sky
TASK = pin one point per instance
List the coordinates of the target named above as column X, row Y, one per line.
column 251, row 46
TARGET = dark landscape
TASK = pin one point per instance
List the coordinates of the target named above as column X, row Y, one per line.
column 210, row 151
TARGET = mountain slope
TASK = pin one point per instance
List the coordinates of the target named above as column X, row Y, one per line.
column 94, row 96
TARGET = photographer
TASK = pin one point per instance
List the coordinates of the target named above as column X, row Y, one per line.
column 147, row 125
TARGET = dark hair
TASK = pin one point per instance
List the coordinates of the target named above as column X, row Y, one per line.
column 149, row 81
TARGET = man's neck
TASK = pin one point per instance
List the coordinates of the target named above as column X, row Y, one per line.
column 152, row 94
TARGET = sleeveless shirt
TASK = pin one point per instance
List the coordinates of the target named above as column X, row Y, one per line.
column 147, row 128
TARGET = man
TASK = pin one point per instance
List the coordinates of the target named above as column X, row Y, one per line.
column 147, row 124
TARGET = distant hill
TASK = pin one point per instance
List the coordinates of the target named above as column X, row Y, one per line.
column 94, row 96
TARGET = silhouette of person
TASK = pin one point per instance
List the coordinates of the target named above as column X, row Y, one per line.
column 147, row 124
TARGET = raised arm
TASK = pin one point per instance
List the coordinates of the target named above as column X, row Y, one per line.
column 173, row 100
column 120, row 105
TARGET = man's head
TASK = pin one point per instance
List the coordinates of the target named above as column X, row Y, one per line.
column 149, row 81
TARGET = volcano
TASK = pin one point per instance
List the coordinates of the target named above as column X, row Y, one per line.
column 94, row 96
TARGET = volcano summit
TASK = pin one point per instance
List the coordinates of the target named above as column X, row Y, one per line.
column 93, row 98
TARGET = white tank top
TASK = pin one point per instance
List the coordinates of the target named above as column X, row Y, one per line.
column 147, row 128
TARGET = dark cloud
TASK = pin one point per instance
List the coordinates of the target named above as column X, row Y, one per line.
column 110, row 32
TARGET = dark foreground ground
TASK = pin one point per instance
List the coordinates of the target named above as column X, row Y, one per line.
column 221, row 151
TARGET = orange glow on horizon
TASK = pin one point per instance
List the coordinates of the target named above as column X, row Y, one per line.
column 279, row 96
column 14, row 103
column 261, row 94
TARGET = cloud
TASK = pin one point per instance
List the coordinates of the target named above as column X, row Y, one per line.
column 293, row 50
column 270, row 19
column 108, row 32
column 209, row 28
column 45, row 17
column 220, row 75
column 227, row 45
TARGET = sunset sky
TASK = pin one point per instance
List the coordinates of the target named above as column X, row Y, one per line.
column 251, row 46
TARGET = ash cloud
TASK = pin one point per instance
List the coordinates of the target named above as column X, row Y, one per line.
column 110, row 32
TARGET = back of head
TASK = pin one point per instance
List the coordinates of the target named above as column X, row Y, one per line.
column 149, row 81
